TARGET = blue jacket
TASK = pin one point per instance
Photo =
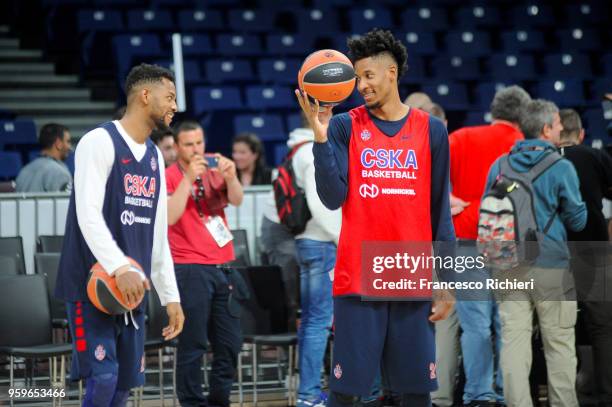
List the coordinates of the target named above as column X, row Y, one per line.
column 556, row 191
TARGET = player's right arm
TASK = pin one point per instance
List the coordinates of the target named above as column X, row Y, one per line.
column 330, row 151
column 94, row 158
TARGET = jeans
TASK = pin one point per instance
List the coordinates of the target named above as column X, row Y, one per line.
column 480, row 353
column 316, row 260
column 205, row 296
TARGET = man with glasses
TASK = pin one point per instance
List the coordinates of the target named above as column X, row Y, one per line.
column 199, row 188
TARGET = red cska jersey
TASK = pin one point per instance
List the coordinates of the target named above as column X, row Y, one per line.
column 389, row 192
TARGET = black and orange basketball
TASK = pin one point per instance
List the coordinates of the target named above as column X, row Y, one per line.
column 103, row 292
column 328, row 76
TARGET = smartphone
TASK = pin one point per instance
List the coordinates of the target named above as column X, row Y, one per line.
column 211, row 161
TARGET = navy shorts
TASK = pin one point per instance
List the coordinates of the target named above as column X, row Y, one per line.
column 104, row 344
column 391, row 338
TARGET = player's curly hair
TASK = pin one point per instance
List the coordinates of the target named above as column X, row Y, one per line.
column 378, row 42
column 145, row 73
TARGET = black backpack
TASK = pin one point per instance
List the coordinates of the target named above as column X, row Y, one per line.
column 290, row 199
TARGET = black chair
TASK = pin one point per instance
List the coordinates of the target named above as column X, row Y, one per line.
column 47, row 264
column 241, row 248
column 49, row 244
column 26, row 325
column 13, row 247
column 8, row 266
column 265, row 323
column 157, row 319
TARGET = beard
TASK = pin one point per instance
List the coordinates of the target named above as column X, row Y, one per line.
column 160, row 124
column 373, row 105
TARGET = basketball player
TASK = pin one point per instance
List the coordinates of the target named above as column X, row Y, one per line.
column 118, row 208
column 396, row 338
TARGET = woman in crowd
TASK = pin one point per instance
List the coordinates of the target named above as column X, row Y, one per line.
column 248, row 154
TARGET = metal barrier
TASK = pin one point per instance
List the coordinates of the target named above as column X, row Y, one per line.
column 35, row 214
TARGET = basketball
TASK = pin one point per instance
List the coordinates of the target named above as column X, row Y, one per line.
column 328, row 76
column 103, row 292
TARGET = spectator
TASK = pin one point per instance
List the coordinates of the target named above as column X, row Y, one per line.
column 594, row 168
column 164, row 140
column 436, row 110
column 200, row 242
column 48, row 173
column 316, row 254
column 472, row 151
column 250, row 158
column 557, row 202
column 418, row 100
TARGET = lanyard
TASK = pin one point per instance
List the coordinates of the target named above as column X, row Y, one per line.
column 199, row 194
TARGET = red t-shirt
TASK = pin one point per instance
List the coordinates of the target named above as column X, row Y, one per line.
column 190, row 241
column 472, row 151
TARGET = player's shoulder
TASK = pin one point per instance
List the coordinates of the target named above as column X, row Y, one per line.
column 437, row 130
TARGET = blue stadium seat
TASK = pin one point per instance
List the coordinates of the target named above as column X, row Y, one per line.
column 565, row 93
column 238, row 45
column 606, row 61
column 364, row 19
column 517, row 67
column 99, row 20
column 468, row 43
column 200, row 20
column 332, row 3
column 517, row 41
column 281, row 70
column 294, row 121
column 419, row 42
column 209, row 98
column 595, row 124
column 450, row 95
column 171, row 3
column 568, row 66
column 455, row 67
column 578, row 39
column 10, row 164
column 270, row 97
column 477, row 118
column 416, row 69
column 280, row 152
column 424, row 18
column 149, row 20
column 128, row 47
column 339, row 41
column 485, row 92
column 221, row 70
column 585, row 14
column 288, row 44
column 196, row 45
column 316, row 20
column 191, row 68
column 33, row 155
column 20, row 131
column 478, row 16
column 599, row 87
column 268, row 127
column 251, row 20
column 532, row 15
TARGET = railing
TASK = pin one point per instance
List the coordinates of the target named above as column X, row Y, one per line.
column 34, row 214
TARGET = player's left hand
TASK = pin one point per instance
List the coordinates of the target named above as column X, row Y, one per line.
column 176, row 319
column 227, row 168
column 443, row 303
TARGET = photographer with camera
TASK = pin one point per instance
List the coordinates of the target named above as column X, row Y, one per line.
column 199, row 188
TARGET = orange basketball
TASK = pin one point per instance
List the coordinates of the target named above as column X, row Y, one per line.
column 328, row 76
column 103, row 292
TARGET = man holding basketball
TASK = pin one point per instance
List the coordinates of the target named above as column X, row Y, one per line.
column 115, row 211
column 395, row 338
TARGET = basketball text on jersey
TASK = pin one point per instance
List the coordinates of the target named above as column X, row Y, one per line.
column 137, row 186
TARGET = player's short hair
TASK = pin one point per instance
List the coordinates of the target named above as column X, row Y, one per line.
column 145, row 73
column 570, row 120
column 535, row 116
column 187, row 125
column 49, row 133
column 508, row 103
column 378, row 42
